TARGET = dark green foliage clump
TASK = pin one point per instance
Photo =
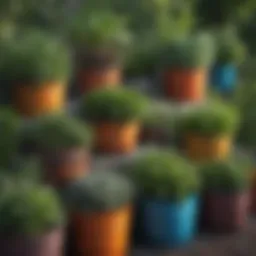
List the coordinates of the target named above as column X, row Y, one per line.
column 211, row 121
column 164, row 175
column 99, row 29
column 224, row 177
column 28, row 209
column 57, row 132
column 118, row 105
column 10, row 127
column 100, row 191
column 35, row 58
column 194, row 52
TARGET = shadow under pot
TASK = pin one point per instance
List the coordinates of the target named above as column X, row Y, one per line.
column 169, row 224
column 98, row 70
column 64, row 166
column 225, row 212
column 49, row 244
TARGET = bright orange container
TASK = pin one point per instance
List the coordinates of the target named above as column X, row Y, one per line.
column 185, row 84
column 102, row 234
column 93, row 78
column 116, row 138
column 200, row 148
column 31, row 100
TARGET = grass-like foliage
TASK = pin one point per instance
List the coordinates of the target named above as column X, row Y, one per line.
column 118, row 105
column 164, row 175
column 28, row 209
column 57, row 132
column 224, row 177
column 99, row 29
column 100, row 191
column 194, row 52
column 212, row 120
column 35, row 58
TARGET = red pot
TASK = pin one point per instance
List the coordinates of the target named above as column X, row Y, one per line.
column 225, row 212
column 253, row 200
column 61, row 167
column 49, row 244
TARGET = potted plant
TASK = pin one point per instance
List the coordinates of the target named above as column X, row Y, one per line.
column 36, row 68
column 31, row 220
column 168, row 198
column 100, row 210
column 208, row 132
column 230, row 53
column 99, row 39
column 226, row 196
column 63, row 144
column 185, row 68
column 115, row 116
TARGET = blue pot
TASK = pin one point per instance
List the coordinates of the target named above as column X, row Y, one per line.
column 168, row 224
column 224, row 77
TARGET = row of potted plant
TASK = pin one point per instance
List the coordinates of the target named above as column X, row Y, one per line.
column 173, row 198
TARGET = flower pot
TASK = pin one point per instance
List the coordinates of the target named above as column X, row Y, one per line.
column 33, row 100
column 169, row 224
column 202, row 148
column 224, row 77
column 102, row 233
column 185, row 84
column 62, row 167
column 116, row 138
column 50, row 244
column 225, row 212
column 91, row 78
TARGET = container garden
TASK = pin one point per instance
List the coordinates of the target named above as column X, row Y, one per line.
column 224, row 75
column 185, row 70
column 31, row 221
column 63, row 145
column 99, row 42
column 208, row 132
column 168, row 199
column 115, row 116
column 100, row 212
column 36, row 67
column 226, row 197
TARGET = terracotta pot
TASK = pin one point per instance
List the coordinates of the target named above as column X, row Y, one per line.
column 201, row 148
column 103, row 234
column 225, row 212
column 31, row 100
column 116, row 138
column 64, row 166
column 92, row 78
column 50, row 244
column 185, row 84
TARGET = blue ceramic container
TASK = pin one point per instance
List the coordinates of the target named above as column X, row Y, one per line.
column 224, row 77
column 168, row 224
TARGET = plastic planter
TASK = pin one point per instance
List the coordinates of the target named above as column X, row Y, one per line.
column 225, row 212
column 168, row 224
column 185, row 85
column 224, row 77
column 50, row 244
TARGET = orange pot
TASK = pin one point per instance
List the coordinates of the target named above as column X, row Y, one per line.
column 200, row 148
column 95, row 78
column 31, row 100
column 102, row 234
column 116, row 138
column 185, row 84
column 65, row 166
